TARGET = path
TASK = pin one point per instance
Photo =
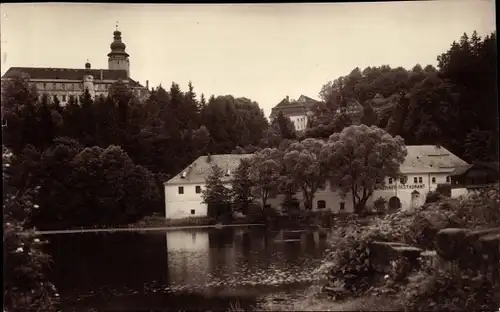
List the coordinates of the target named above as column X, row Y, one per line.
column 136, row 229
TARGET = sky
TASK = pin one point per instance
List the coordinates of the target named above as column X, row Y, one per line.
column 260, row 51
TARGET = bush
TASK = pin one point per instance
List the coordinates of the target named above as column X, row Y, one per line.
column 433, row 197
column 380, row 204
column 441, row 287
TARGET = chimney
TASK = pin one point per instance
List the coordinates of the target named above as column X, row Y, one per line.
column 147, row 84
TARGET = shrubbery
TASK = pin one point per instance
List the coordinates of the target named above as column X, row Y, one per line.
column 432, row 285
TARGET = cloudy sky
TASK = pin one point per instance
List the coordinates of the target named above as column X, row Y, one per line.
column 260, row 51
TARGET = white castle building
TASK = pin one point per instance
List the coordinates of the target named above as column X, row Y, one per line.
column 424, row 168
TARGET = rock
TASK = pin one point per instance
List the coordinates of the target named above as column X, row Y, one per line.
column 450, row 243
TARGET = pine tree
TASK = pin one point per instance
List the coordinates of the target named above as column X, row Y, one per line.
column 242, row 187
column 216, row 195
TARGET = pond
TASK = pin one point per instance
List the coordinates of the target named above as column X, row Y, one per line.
column 204, row 269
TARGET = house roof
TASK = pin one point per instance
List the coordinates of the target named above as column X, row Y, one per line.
column 202, row 167
column 430, row 158
column 464, row 169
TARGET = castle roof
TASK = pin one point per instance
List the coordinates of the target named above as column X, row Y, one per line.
column 49, row 73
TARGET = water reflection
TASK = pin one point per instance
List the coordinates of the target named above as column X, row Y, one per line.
column 133, row 270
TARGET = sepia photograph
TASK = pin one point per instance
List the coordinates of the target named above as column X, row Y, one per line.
column 337, row 156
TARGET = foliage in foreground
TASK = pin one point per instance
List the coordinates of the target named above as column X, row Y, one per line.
column 436, row 285
column 25, row 263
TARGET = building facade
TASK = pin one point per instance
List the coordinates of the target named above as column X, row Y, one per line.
column 299, row 111
column 425, row 167
column 64, row 83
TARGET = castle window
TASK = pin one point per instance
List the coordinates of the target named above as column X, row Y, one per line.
column 433, row 180
column 44, row 85
column 54, row 98
column 420, row 180
column 181, row 190
column 415, row 180
column 390, row 180
column 64, row 98
column 63, row 86
column 448, row 179
column 198, row 189
column 54, row 85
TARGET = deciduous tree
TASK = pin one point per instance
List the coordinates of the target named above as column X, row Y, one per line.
column 359, row 158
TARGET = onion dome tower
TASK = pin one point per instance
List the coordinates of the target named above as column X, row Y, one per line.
column 118, row 58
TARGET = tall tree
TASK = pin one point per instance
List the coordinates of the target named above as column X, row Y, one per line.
column 303, row 165
column 359, row 157
column 216, row 195
column 242, row 187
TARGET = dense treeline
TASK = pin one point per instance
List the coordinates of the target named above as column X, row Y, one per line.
column 103, row 161
column 454, row 105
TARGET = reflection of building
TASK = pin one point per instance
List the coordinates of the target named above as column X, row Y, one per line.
column 197, row 256
column 183, row 193
column 424, row 168
column 298, row 111
column 63, row 83
column 188, row 257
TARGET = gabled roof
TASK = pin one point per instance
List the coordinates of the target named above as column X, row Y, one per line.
column 65, row 73
column 201, row 168
column 430, row 158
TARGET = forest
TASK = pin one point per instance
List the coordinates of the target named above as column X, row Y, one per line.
column 103, row 161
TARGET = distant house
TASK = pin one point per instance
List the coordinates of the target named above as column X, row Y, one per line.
column 183, row 193
column 474, row 177
column 425, row 167
column 353, row 109
column 298, row 111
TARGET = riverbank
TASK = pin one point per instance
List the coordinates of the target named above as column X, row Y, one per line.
column 152, row 228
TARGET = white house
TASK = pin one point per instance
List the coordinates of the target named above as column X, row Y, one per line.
column 424, row 168
column 183, row 193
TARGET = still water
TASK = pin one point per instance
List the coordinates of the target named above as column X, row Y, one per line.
column 207, row 269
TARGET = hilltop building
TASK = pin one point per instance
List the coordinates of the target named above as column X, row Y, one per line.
column 299, row 111
column 425, row 167
column 63, row 83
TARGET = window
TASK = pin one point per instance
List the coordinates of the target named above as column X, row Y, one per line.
column 54, row 85
column 54, row 98
column 390, row 180
column 433, row 180
column 420, row 180
column 44, row 85
column 63, row 86
column 192, row 211
column 415, row 180
column 448, row 179
column 64, row 98
column 198, row 189
column 181, row 190
column 402, row 180
column 342, row 206
column 321, row 204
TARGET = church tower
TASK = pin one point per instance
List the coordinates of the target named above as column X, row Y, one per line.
column 118, row 58
column 88, row 80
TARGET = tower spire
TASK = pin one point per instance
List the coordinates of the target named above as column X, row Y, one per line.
column 116, row 26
